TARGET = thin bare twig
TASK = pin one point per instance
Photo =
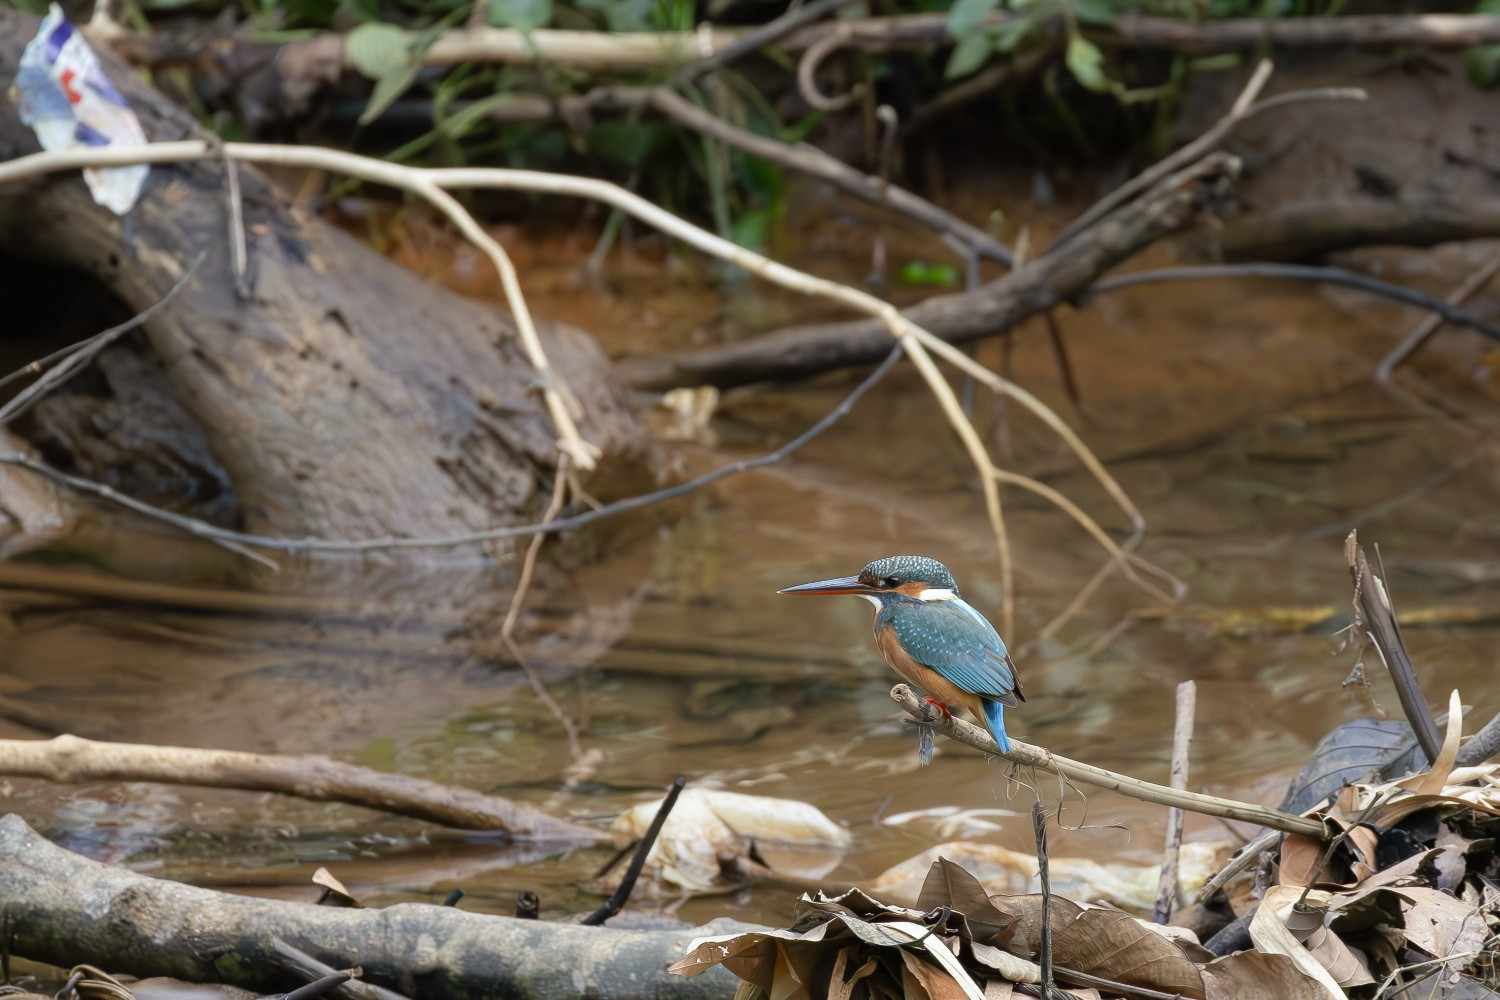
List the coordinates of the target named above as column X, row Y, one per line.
column 75, row 357
column 1424, row 331
column 621, row 895
column 1375, row 617
column 1303, row 272
column 759, row 38
column 1039, row 829
column 1245, row 108
column 513, row 613
column 203, row 529
column 1182, row 743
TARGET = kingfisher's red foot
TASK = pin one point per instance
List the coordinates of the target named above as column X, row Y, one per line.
column 947, row 712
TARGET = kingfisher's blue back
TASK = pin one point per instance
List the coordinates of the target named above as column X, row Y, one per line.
column 950, row 637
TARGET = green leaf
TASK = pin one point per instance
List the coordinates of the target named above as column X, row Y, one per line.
column 1013, row 32
column 523, row 15
column 378, row 50
column 751, row 229
column 1483, row 65
column 966, row 15
column 387, row 89
column 1094, row 11
column 969, row 54
column 1087, row 63
column 920, row 272
column 622, row 15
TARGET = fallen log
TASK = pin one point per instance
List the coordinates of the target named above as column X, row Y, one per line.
column 1050, row 279
column 71, row 759
column 345, row 396
column 61, row 908
column 1312, row 229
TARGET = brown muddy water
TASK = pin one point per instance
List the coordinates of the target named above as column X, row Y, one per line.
column 1239, row 417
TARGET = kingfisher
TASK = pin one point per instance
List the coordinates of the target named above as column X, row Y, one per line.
column 932, row 637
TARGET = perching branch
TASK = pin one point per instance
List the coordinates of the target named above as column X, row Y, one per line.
column 1033, row 756
column 70, row 760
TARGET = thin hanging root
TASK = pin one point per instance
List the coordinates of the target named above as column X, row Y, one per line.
column 1005, row 387
column 1126, row 561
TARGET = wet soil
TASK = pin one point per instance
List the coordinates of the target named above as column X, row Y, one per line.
column 1239, row 417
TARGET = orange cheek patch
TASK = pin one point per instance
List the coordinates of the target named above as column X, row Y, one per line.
column 912, row 588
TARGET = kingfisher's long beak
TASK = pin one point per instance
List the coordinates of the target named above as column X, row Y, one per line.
column 839, row 585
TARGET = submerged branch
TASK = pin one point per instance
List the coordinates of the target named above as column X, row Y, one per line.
column 71, row 759
column 1034, row 756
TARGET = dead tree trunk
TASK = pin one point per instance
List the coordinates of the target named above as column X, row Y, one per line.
column 61, row 908
column 345, row 396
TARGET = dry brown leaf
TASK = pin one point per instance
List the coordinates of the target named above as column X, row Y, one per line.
column 1252, row 975
column 1440, row 924
column 1300, row 855
column 932, row 982
column 1026, row 932
column 1433, row 780
column 840, row 988
column 995, row 989
column 1114, row 945
column 1269, row 932
column 950, row 885
column 334, row 893
column 1344, row 964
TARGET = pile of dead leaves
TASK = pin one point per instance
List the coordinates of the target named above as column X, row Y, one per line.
column 1407, row 892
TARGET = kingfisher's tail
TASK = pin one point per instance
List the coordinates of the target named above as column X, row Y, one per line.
column 994, row 714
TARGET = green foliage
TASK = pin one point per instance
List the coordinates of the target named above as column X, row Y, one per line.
column 1482, row 62
column 926, row 274
column 971, row 52
column 622, row 15
column 523, row 15
column 1086, row 63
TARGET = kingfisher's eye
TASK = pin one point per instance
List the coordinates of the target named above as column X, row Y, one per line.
column 890, row 583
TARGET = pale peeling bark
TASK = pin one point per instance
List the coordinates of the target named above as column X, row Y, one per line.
column 61, row 908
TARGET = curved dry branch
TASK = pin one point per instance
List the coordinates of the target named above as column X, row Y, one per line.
column 431, row 181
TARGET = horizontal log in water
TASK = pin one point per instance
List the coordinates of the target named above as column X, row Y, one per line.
column 61, row 908
column 1032, row 756
column 72, row 759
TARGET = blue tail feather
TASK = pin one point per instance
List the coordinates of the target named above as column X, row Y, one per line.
column 994, row 714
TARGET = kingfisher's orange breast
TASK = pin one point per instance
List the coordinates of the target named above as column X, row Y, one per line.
column 929, row 680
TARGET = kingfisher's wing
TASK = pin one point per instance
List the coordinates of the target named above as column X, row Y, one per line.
column 960, row 643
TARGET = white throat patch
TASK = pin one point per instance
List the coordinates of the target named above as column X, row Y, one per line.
column 937, row 594
column 871, row 598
